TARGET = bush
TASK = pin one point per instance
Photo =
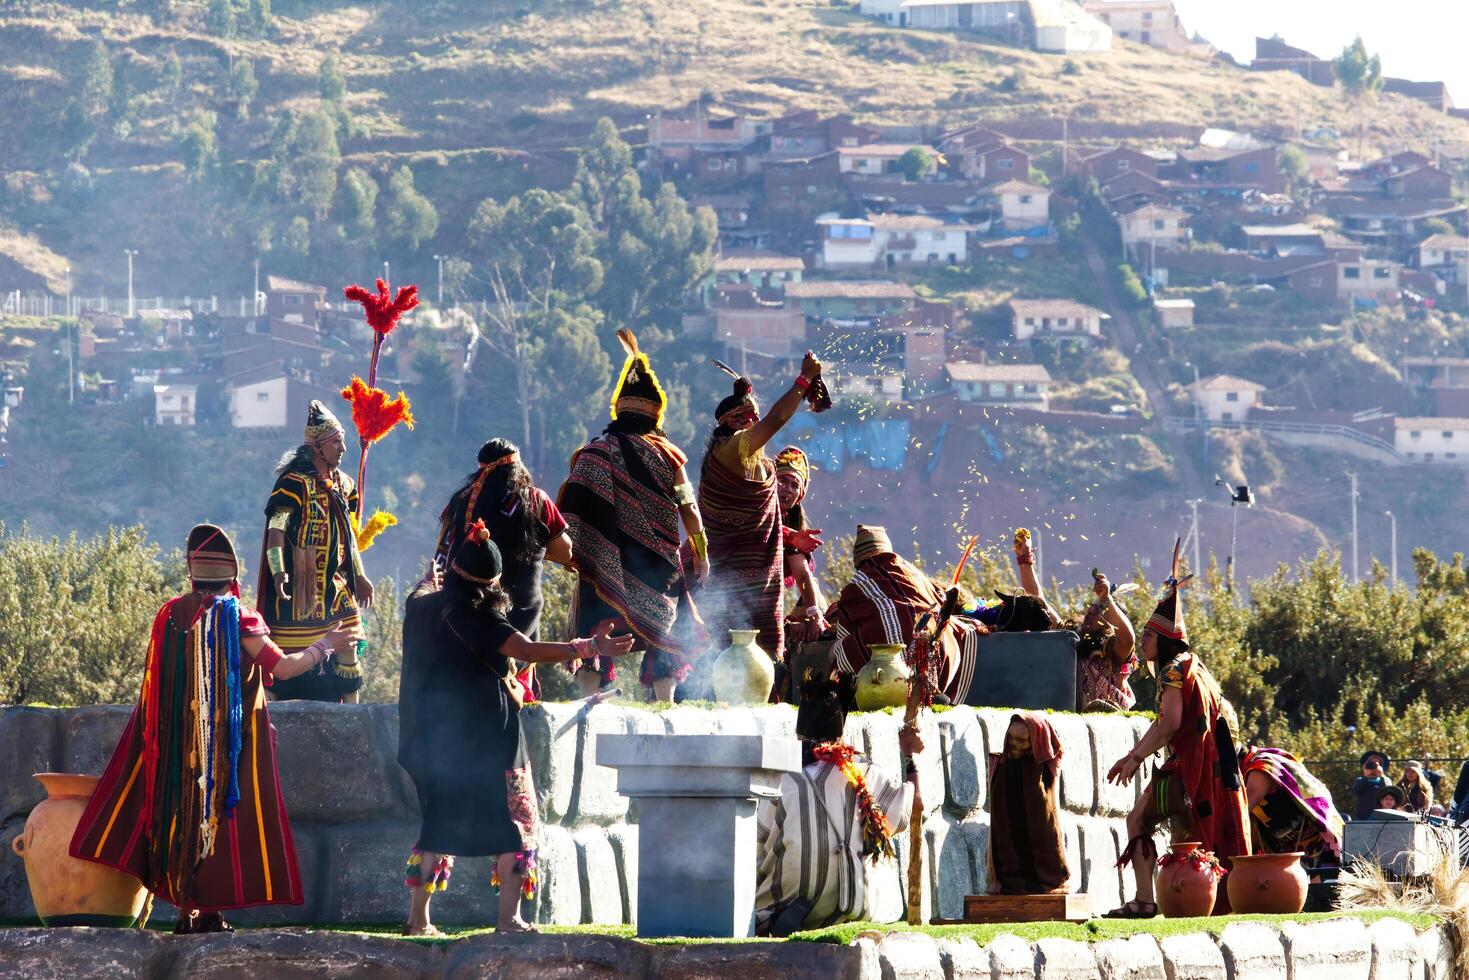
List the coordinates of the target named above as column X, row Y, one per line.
column 1131, row 285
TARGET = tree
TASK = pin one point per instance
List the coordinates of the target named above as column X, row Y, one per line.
column 296, row 240
column 97, row 80
column 916, row 163
column 171, row 78
column 305, row 157
column 357, row 204
column 330, row 81
column 243, row 87
column 219, row 17
column 198, row 144
column 409, row 218
column 76, row 130
column 255, row 18
column 1361, row 79
column 1296, row 170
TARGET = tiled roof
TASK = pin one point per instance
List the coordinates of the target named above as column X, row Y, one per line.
column 1019, row 187
column 1444, row 241
column 1013, row 373
column 879, row 149
column 849, row 289
column 284, row 285
column 1228, row 382
column 758, row 262
column 1431, row 423
column 1053, row 307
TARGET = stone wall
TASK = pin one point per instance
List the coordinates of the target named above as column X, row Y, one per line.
column 1339, row 949
column 354, row 813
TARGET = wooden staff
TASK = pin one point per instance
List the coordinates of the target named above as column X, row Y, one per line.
column 916, row 691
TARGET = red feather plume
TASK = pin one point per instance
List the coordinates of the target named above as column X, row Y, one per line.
column 373, row 412
column 382, row 308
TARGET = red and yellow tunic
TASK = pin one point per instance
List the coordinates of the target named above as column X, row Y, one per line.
column 190, row 803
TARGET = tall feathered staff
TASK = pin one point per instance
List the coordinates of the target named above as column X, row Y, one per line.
column 374, row 414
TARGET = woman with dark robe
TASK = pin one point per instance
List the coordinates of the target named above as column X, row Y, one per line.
column 524, row 523
column 459, row 732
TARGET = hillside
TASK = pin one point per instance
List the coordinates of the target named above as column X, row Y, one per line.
column 484, row 101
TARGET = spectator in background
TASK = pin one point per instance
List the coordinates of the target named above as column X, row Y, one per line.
column 1417, row 790
column 1461, row 796
column 1367, row 788
column 1391, row 798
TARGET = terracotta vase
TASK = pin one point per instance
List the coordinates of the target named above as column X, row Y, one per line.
column 1268, row 883
column 883, row 681
column 744, row 673
column 1183, row 890
column 68, row 891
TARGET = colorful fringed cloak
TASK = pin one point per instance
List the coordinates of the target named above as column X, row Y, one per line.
column 1199, row 783
column 191, row 803
column 619, row 508
column 1297, row 814
column 881, row 604
column 746, row 583
column 1027, row 851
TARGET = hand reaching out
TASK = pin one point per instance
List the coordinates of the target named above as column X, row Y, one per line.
column 609, row 645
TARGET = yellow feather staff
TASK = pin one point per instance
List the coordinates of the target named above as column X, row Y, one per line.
column 379, row 522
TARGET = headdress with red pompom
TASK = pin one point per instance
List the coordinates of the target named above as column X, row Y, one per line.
column 742, row 399
column 477, row 559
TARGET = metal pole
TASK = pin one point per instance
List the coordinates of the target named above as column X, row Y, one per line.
column 440, row 260
column 1194, row 506
column 1353, row 477
column 255, row 294
column 1233, row 539
column 130, row 252
column 1393, row 544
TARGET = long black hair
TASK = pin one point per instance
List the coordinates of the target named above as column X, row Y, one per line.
column 507, row 488
column 633, row 424
column 302, row 459
column 481, row 598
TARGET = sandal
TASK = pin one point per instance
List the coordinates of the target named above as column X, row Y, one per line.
column 1134, row 910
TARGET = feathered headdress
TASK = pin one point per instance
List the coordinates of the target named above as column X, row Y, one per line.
column 742, row 399
column 637, row 391
column 1167, row 619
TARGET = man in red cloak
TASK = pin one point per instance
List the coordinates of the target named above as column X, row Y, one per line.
column 1197, row 789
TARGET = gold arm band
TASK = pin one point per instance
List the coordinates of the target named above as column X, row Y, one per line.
column 683, row 494
column 699, row 541
column 280, row 520
column 275, row 559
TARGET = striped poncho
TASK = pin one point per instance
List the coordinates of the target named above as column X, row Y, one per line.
column 746, row 554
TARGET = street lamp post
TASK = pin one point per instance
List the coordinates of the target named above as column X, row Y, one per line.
column 1241, row 494
column 71, row 373
column 440, row 260
column 1393, row 544
column 130, row 252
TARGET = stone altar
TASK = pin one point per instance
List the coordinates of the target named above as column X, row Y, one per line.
column 696, row 798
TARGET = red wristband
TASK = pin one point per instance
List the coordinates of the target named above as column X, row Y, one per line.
column 803, row 382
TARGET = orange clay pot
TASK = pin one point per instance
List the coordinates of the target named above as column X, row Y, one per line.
column 68, row 891
column 1269, row 883
column 1182, row 890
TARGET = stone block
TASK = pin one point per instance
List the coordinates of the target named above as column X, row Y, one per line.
column 880, row 734
column 601, row 889
column 363, row 873
column 1064, row 959
column 1071, row 843
column 15, row 890
column 30, row 742
column 977, row 839
column 950, row 871
column 1112, row 738
column 558, row 897
column 778, row 720
column 624, row 841
column 546, row 957
column 1099, row 877
column 78, row 954
column 962, row 746
column 385, row 718
column 930, row 764
column 1140, row 728
column 332, row 767
column 1195, row 956
column 909, row 956
column 1339, row 949
column 1078, row 766
column 682, row 720
column 1011, row 958
column 964, row 959
column 594, row 796
column 1253, row 950
column 1395, row 953
column 888, row 892
column 1133, row 958
column 292, row 956
column 89, row 736
column 308, row 860
column 552, row 738
column 763, row 961
column 1436, row 949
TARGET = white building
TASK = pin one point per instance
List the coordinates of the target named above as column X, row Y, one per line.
column 1224, row 398
column 874, row 159
column 175, row 403
column 1152, row 22
column 1022, row 205
column 1153, row 226
column 1173, row 312
column 1018, row 385
column 1429, row 440
column 1049, row 25
column 1447, row 256
column 261, row 403
column 1062, row 27
column 892, row 239
column 1061, row 318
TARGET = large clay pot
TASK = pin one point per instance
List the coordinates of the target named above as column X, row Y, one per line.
column 1268, row 883
column 1183, row 890
column 743, row 674
column 883, row 681
column 68, row 891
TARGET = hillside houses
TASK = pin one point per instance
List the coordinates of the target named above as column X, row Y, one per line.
column 1058, row 26
column 1057, row 319
column 887, row 240
column 1152, row 22
column 1015, row 385
column 1224, row 398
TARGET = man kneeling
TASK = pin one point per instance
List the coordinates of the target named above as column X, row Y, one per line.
column 832, row 820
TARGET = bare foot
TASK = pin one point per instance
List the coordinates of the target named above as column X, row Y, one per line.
column 515, row 925
column 427, row 929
